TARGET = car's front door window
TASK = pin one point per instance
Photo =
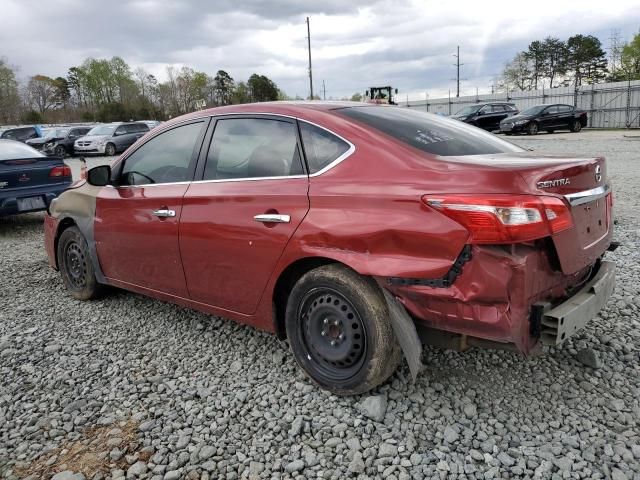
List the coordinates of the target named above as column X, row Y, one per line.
column 166, row 158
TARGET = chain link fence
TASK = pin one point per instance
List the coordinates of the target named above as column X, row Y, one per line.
column 609, row 105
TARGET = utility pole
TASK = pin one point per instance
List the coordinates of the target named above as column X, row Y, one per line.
column 458, row 65
column 309, row 48
column 324, row 91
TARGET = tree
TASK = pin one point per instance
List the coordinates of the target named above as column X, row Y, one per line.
column 518, row 74
column 587, row 60
column 262, row 89
column 356, row 97
column 630, row 59
column 42, row 93
column 241, row 94
column 555, row 56
column 223, row 86
column 9, row 97
column 536, row 55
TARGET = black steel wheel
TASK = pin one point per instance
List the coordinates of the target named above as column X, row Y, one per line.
column 339, row 330
column 76, row 267
column 532, row 128
column 333, row 333
column 110, row 150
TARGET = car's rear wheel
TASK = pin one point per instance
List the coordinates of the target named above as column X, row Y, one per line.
column 75, row 265
column 60, row 151
column 110, row 150
column 339, row 330
column 532, row 128
column 576, row 126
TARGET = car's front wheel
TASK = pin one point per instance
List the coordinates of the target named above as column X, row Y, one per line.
column 532, row 128
column 339, row 330
column 60, row 151
column 110, row 150
column 75, row 265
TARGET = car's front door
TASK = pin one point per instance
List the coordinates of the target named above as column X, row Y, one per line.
column 237, row 220
column 565, row 116
column 136, row 220
column 549, row 117
column 499, row 114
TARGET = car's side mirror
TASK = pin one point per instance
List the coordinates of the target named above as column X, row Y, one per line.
column 99, row 176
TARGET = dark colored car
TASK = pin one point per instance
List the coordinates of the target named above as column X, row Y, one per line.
column 545, row 117
column 29, row 181
column 21, row 134
column 486, row 115
column 110, row 138
column 60, row 142
column 357, row 231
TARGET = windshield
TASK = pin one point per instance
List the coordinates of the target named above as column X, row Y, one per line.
column 56, row 133
column 469, row 110
column 428, row 132
column 534, row 110
column 102, row 130
column 14, row 150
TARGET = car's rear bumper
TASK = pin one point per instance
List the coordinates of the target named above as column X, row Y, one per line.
column 564, row 320
column 9, row 200
column 493, row 295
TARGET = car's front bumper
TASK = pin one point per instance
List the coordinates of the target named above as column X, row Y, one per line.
column 90, row 149
column 512, row 128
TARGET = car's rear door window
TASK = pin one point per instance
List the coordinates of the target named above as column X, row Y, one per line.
column 428, row 132
column 321, row 147
column 166, row 158
column 244, row 148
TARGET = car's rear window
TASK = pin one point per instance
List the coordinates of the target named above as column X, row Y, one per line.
column 428, row 132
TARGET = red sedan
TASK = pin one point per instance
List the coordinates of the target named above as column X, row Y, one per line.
column 358, row 232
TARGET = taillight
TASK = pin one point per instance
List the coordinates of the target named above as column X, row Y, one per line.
column 504, row 218
column 60, row 171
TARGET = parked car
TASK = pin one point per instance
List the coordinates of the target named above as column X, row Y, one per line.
column 109, row 139
column 61, row 142
column 29, row 180
column 545, row 117
column 356, row 231
column 486, row 115
column 21, row 134
column 151, row 123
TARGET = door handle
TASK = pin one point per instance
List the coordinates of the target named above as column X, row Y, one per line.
column 164, row 213
column 272, row 218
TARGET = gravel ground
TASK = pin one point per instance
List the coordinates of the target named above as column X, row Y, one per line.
column 132, row 387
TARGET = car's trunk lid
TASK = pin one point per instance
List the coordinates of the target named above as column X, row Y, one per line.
column 582, row 183
column 29, row 172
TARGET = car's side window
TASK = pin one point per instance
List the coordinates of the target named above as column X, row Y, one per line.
column 252, row 148
column 565, row 108
column 121, row 130
column 498, row 108
column 165, row 158
column 551, row 110
column 321, row 147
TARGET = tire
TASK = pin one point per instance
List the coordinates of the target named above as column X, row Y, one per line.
column 576, row 126
column 109, row 150
column 76, row 267
column 550, row 131
column 532, row 128
column 344, row 340
column 60, row 151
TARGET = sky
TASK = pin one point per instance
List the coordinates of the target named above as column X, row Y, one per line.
column 355, row 44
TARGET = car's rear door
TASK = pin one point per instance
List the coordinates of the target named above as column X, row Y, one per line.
column 237, row 220
column 499, row 114
column 136, row 221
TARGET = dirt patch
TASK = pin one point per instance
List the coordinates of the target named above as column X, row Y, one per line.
column 89, row 454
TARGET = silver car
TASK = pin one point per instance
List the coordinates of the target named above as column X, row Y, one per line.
column 110, row 138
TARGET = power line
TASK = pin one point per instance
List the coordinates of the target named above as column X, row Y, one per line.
column 309, row 48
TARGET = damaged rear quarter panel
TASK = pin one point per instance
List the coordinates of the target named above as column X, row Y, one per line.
column 491, row 298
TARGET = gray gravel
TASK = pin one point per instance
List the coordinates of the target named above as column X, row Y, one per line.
column 143, row 389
